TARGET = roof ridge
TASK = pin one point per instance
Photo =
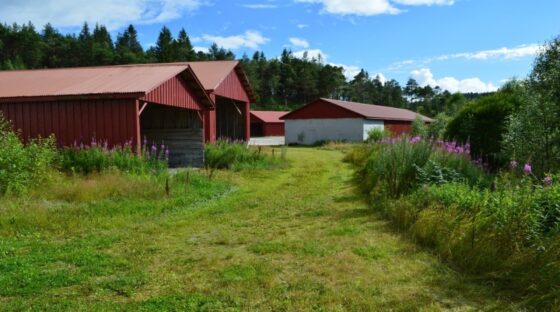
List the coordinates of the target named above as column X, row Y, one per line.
column 182, row 63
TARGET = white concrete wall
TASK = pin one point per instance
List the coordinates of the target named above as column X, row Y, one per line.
column 310, row 131
column 372, row 124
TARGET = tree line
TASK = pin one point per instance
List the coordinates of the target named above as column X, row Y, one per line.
column 285, row 82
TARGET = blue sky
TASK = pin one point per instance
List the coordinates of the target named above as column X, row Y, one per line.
column 460, row 45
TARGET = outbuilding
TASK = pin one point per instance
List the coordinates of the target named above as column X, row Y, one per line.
column 267, row 123
column 335, row 120
column 181, row 105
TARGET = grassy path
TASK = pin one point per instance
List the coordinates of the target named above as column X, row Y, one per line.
column 299, row 239
column 293, row 239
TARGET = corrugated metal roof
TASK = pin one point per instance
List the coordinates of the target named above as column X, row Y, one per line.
column 378, row 112
column 122, row 79
column 269, row 116
column 117, row 79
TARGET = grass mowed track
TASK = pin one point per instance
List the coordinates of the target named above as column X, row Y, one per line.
column 293, row 239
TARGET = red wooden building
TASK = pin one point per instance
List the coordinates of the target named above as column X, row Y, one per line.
column 267, row 123
column 179, row 104
column 334, row 120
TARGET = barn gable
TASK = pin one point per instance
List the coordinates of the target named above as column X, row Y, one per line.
column 174, row 92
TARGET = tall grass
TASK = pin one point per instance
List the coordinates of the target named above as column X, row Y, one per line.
column 97, row 157
column 508, row 233
column 395, row 166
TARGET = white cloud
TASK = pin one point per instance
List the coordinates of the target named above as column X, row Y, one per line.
column 371, row 7
column 200, row 49
column 299, row 42
column 302, row 26
column 250, row 39
column 111, row 13
column 381, row 77
column 311, row 54
column 260, row 6
column 425, row 77
column 425, row 2
column 355, row 7
column 349, row 71
column 501, row 53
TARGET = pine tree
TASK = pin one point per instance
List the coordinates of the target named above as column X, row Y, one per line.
column 185, row 51
column 85, row 46
column 102, row 48
column 128, row 48
column 165, row 50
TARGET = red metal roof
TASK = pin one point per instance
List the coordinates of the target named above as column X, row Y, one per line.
column 269, row 116
column 122, row 79
column 370, row 111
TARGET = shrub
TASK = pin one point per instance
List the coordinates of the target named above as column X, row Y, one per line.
column 97, row 157
column 23, row 166
column 436, row 129
column 419, row 127
column 376, row 135
column 483, row 124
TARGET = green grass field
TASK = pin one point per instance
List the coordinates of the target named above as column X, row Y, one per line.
column 289, row 239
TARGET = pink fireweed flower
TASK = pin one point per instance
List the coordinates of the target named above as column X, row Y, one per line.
column 547, row 181
column 416, row 139
column 527, row 169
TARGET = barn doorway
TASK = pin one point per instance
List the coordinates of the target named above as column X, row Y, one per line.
column 180, row 130
column 230, row 119
column 257, row 129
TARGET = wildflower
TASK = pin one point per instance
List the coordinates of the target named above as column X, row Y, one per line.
column 145, row 141
column 415, row 139
column 527, row 169
column 547, row 181
column 513, row 164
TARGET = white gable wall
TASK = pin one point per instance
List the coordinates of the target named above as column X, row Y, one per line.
column 311, row 131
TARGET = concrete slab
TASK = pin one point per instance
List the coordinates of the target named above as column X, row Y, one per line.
column 268, row 141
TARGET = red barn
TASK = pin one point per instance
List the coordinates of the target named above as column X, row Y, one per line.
column 179, row 104
column 334, row 120
column 267, row 123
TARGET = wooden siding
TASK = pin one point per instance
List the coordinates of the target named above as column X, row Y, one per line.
column 231, row 87
column 398, row 127
column 273, row 129
column 75, row 121
column 322, row 109
column 180, row 130
column 231, row 117
column 173, row 92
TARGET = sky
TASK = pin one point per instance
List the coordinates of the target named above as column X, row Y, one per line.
column 459, row 45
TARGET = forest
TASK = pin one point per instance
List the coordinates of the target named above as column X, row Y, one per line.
column 281, row 82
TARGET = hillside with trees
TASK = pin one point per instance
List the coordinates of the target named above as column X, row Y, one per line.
column 282, row 83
